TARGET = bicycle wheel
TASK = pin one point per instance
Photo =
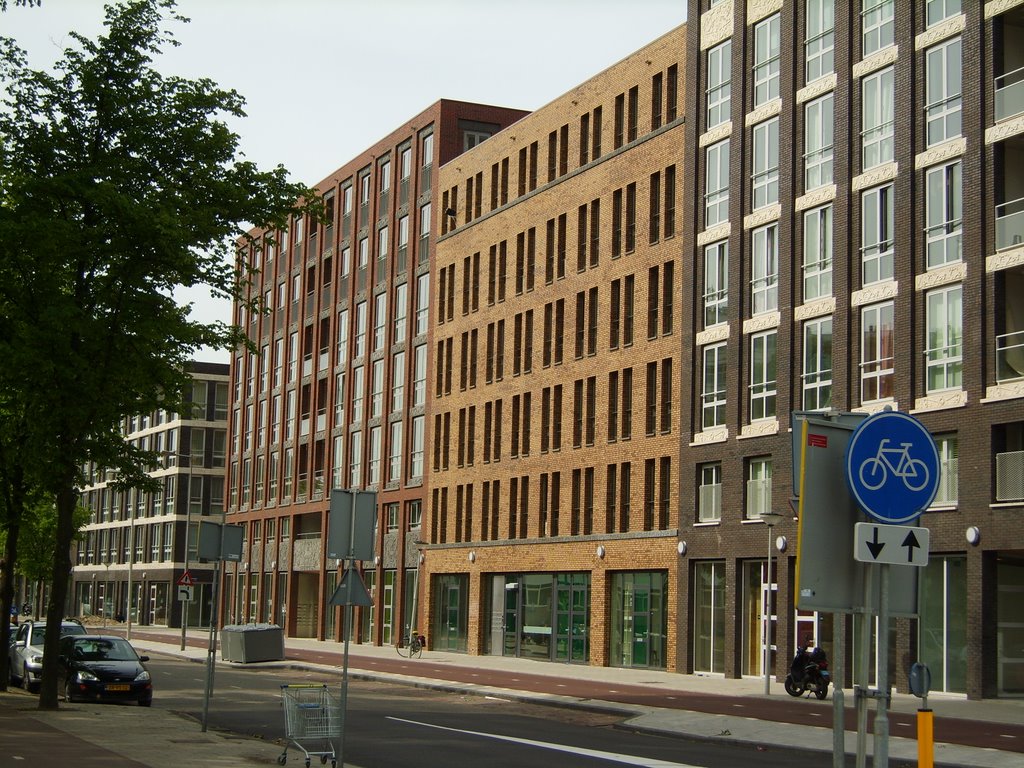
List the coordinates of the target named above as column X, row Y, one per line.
column 403, row 650
column 415, row 649
column 915, row 475
column 873, row 474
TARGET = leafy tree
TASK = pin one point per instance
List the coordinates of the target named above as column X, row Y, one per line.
column 26, row 3
column 118, row 185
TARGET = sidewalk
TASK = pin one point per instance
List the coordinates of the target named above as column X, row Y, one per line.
column 988, row 734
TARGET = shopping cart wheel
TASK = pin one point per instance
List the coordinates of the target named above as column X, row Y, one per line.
column 282, row 759
column 323, row 759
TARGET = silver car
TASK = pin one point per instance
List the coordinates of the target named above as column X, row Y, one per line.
column 25, row 656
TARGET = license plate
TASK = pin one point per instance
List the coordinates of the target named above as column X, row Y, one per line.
column 118, row 687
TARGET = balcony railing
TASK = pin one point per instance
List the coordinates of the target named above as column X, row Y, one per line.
column 1010, row 476
column 1009, row 94
column 1010, row 357
column 1010, row 224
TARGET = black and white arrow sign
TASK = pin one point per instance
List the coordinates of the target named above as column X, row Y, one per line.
column 893, row 544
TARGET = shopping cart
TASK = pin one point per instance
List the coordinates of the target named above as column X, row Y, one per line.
column 313, row 718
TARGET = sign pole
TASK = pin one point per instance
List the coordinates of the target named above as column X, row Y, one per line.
column 881, row 753
column 344, row 668
column 838, row 703
column 863, row 673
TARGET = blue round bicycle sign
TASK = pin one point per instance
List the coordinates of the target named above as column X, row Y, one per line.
column 892, row 467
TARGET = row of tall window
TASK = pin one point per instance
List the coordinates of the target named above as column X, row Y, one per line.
column 535, row 507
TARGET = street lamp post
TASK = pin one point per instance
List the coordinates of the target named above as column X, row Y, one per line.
column 771, row 519
column 188, row 534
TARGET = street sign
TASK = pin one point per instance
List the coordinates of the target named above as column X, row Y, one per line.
column 186, row 580
column 892, row 467
column 894, row 544
column 186, row 594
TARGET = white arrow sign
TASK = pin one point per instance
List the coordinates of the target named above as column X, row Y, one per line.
column 186, row 594
column 894, row 544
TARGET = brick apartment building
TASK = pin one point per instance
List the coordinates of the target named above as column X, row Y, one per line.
column 837, row 263
column 555, row 334
column 134, row 543
column 336, row 395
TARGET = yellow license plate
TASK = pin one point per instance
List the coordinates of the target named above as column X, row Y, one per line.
column 118, row 687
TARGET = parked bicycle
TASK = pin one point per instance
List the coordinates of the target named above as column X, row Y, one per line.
column 412, row 645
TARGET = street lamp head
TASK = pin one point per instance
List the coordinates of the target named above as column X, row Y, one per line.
column 771, row 519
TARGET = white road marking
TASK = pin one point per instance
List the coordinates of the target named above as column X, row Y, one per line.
column 644, row 762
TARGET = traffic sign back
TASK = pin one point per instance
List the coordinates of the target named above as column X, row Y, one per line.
column 892, row 467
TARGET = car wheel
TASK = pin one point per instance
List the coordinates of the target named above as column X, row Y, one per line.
column 26, row 680
column 67, row 692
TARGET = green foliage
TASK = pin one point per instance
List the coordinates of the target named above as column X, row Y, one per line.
column 118, row 185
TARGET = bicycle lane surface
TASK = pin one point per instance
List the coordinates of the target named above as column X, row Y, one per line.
column 971, row 733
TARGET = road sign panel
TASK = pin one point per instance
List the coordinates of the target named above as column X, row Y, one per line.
column 894, row 544
column 892, row 467
column 186, row 594
column 186, row 580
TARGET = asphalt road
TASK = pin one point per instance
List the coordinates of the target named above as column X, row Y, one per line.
column 389, row 725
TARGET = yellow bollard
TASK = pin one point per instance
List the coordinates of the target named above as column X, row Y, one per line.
column 925, row 739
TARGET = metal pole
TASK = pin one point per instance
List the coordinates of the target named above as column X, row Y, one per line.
column 863, row 673
column 881, row 753
column 211, row 653
column 344, row 669
column 188, row 533
column 131, row 559
column 838, row 703
column 768, row 619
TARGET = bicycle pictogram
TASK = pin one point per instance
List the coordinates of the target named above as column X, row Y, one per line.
column 874, row 471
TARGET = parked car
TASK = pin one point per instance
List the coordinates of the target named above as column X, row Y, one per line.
column 103, row 668
column 25, row 655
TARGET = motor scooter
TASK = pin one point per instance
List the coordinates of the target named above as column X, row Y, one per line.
column 808, row 672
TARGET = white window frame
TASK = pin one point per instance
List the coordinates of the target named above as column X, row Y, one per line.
column 380, row 319
column 709, row 493
column 944, row 212
column 422, row 318
column 377, row 389
column 713, row 392
column 373, row 475
column 943, row 89
column 877, row 234
column 767, row 50
column 817, row 264
column 716, row 187
column 358, row 385
column 878, row 123
column 944, row 343
column 764, row 282
column 948, row 493
column 355, row 460
column 397, row 381
column 342, row 358
column 416, row 448
column 763, row 375
column 818, row 142
column 819, row 45
column 816, row 375
column 877, row 363
column 716, row 283
column 359, row 347
column 759, row 487
column 719, row 93
column 395, row 452
column 401, row 313
column 419, row 376
column 940, row 10
column 764, row 181
column 877, row 26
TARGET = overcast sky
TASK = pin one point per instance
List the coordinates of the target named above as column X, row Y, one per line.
column 303, row 64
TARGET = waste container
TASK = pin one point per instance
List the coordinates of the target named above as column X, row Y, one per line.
column 252, row 642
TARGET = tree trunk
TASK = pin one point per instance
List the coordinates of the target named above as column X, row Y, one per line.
column 67, row 498
column 7, row 598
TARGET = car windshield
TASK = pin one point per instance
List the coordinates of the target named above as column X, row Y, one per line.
column 39, row 636
column 106, row 649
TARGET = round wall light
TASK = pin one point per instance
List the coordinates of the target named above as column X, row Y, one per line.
column 681, row 548
column 973, row 535
column 781, row 543
column 472, row 557
column 600, row 551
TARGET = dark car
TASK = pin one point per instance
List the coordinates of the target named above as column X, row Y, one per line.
column 102, row 668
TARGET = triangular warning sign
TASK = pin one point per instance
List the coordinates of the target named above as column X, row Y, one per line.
column 186, row 580
column 351, row 591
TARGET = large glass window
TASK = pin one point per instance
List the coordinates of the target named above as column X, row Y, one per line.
column 713, row 392
column 716, row 283
column 943, row 622
column 942, row 110
column 765, row 179
column 949, row 457
column 764, row 283
column 709, row 617
column 766, row 61
column 877, row 118
column 818, row 143
column 877, row 339
column 818, row 253
column 876, row 24
column 719, row 86
column 940, row 10
column 877, row 234
column 818, row 48
column 817, row 369
column 944, row 214
column 716, row 191
column 763, row 384
column 945, row 339
column 759, row 487
column 639, row 621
